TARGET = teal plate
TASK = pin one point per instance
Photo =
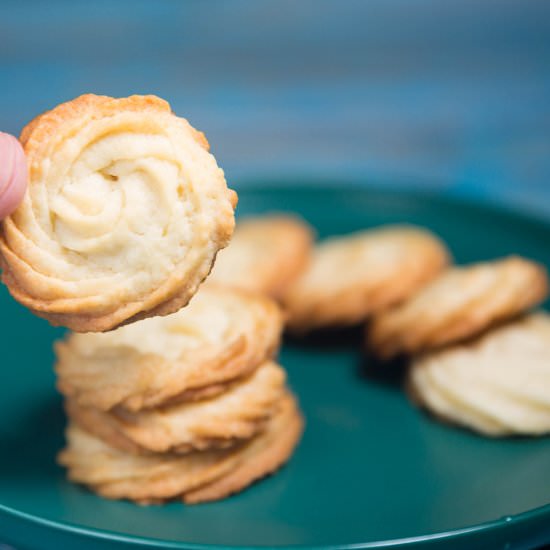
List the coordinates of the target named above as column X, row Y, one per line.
column 371, row 470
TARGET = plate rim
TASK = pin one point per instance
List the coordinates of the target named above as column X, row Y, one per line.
column 303, row 184
column 484, row 528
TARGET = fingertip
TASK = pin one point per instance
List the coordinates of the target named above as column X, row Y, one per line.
column 13, row 174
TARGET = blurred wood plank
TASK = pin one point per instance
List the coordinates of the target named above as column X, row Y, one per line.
column 454, row 94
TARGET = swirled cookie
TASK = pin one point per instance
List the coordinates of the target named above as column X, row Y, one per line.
column 124, row 213
column 459, row 304
column 498, row 384
column 221, row 335
column 194, row 477
column 354, row 276
column 223, row 421
column 266, row 254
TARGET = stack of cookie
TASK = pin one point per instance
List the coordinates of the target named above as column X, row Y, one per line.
column 125, row 212
column 190, row 405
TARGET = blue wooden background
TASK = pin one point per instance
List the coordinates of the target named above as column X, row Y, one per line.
column 424, row 92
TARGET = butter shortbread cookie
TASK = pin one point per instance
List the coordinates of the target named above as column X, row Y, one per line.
column 498, row 384
column 459, row 304
column 353, row 276
column 194, row 477
column 123, row 216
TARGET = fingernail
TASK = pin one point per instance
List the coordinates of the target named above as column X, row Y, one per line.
column 13, row 174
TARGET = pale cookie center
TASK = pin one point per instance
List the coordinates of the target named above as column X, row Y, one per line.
column 121, row 206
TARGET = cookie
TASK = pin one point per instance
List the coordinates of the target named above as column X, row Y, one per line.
column 354, row 276
column 124, row 213
column 266, row 254
column 498, row 384
column 222, row 335
column 459, row 304
column 194, row 477
column 223, row 421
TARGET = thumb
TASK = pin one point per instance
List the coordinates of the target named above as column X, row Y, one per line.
column 13, row 174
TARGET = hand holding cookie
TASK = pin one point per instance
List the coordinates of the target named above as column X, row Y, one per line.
column 123, row 216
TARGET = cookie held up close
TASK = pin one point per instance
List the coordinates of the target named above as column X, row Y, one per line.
column 222, row 335
column 266, row 254
column 498, row 384
column 194, row 477
column 459, row 304
column 124, row 213
column 353, row 276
